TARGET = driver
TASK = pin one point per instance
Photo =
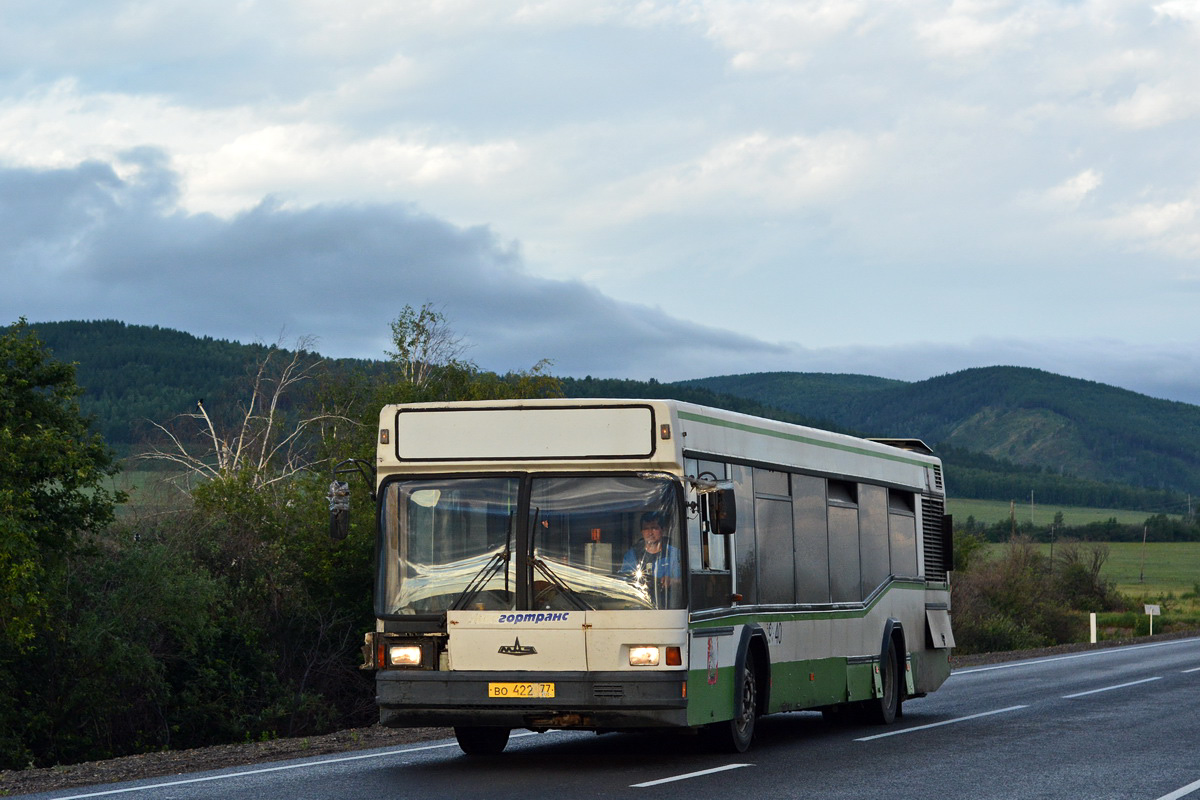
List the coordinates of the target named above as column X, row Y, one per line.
column 652, row 557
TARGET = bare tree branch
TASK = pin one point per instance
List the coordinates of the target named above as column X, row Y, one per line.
column 258, row 441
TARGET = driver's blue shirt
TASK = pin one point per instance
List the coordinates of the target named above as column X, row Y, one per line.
column 661, row 565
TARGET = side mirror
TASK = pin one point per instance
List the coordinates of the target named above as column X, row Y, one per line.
column 718, row 510
column 724, row 512
column 339, row 510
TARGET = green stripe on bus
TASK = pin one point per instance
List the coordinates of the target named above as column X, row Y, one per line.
column 793, row 437
column 795, row 686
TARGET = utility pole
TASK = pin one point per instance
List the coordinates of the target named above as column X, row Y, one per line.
column 1052, row 532
column 1142, row 576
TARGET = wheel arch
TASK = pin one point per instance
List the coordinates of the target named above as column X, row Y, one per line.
column 893, row 634
column 754, row 641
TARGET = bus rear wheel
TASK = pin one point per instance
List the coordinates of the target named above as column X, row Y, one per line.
column 481, row 741
column 885, row 710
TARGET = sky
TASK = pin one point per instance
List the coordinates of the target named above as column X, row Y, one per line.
column 628, row 188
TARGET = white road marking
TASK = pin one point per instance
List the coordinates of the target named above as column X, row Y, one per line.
column 688, row 775
column 1089, row 654
column 1186, row 790
column 1109, row 688
column 264, row 770
column 940, row 724
column 1181, row 792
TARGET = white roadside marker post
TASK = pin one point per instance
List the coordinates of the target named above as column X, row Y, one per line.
column 1152, row 611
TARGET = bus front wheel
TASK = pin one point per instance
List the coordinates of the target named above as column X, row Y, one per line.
column 739, row 731
column 481, row 741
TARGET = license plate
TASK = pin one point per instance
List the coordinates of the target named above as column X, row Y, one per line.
column 520, row 690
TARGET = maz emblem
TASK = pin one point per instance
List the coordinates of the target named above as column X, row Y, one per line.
column 517, row 649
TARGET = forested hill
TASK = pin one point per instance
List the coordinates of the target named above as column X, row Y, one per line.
column 1024, row 416
column 133, row 375
column 1002, row 431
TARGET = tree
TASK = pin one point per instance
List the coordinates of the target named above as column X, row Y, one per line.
column 428, row 365
column 264, row 444
column 54, row 475
column 425, row 344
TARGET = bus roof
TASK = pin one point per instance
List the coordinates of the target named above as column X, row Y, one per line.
column 630, row 433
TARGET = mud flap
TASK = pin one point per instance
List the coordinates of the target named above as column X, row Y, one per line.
column 937, row 626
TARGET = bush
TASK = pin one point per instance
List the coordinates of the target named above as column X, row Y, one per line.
column 1022, row 599
column 993, row 634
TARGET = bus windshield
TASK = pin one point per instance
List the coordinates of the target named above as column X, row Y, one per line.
column 594, row 542
column 608, row 542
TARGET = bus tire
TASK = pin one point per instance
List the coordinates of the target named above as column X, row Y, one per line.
column 481, row 741
column 740, row 729
column 885, row 710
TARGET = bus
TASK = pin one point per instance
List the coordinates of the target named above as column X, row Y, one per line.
column 647, row 564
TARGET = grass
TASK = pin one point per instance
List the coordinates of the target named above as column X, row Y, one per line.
column 989, row 511
column 1166, row 568
column 1166, row 574
column 147, row 489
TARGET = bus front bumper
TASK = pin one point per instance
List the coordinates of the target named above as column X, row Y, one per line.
column 588, row 700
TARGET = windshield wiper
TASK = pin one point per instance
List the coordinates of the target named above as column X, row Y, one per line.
column 487, row 571
column 544, row 568
column 481, row 579
column 558, row 583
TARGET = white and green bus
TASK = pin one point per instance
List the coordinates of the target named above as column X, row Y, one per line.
column 648, row 564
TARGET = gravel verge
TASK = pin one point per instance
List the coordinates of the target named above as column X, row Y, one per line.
column 179, row 762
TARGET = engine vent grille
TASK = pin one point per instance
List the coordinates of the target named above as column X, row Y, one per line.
column 933, row 511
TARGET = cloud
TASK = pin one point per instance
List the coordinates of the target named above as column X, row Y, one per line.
column 694, row 185
column 86, row 243
column 752, row 174
column 777, row 35
column 1170, row 227
column 1158, row 104
column 83, row 243
column 1071, row 192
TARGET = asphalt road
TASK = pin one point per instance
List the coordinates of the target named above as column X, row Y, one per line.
column 1120, row 723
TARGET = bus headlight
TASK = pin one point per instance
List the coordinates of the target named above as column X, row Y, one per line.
column 645, row 655
column 404, row 655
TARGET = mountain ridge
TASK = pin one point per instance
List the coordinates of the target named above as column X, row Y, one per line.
column 1018, row 414
column 1027, row 424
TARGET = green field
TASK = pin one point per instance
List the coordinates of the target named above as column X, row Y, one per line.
column 1165, row 568
column 1166, row 574
column 987, row 512
column 145, row 488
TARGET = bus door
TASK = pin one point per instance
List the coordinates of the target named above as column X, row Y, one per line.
column 709, row 555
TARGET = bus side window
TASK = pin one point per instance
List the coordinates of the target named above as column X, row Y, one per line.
column 709, row 552
column 902, row 531
column 810, row 529
column 773, row 525
column 845, row 572
column 873, row 549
